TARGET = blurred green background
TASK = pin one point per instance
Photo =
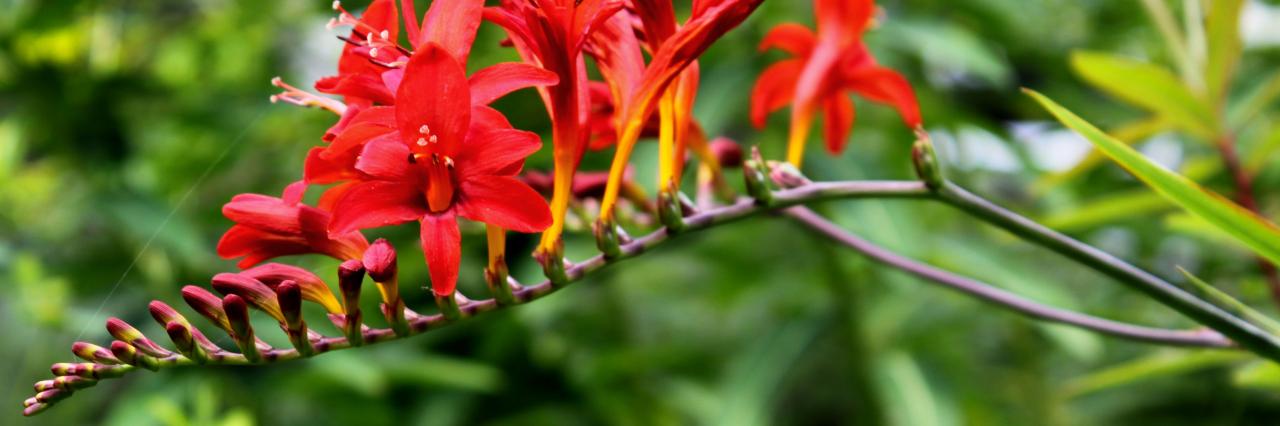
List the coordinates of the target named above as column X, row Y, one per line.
column 124, row 125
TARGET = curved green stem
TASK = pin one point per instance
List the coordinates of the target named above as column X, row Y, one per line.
column 1242, row 332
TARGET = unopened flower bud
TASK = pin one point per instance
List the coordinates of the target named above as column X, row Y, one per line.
column 182, row 338
column 206, row 304
column 350, row 278
column 727, row 152
column 253, row 291
column 127, row 333
column 925, row 160
column 289, row 296
column 238, row 316
column 93, row 353
column 380, row 261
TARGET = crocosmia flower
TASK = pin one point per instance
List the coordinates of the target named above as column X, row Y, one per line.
column 825, row 68
column 440, row 161
column 268, row 227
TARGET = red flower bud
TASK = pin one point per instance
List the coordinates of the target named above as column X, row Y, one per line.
column 380, row 261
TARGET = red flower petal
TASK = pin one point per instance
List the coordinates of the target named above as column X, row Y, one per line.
column 495, row 151
column 489, row 84
column 442, row 247
column 434, row 96
column 377, row 203
column 452, row 24
column 837, row 121
column 386, row 159
column 844, row 19
column 796, row 39
column 484, row 116
column 775, row 88
column 355, row 136
column 364, row 86
column 886, row 86
column 505, row 202
column 319, row 170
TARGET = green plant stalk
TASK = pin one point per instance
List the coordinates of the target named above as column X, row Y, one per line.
column 1242, row 332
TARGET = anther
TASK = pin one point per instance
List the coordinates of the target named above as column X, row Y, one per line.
column 424, row 129
column 422, row 142
column 433, row 139
column 277, row 81
column 373, row 52
column 337, row 4
column 448, row 162
column 385, row 34
column 275, row 98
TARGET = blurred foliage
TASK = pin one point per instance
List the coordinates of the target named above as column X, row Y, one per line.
column 124, row 125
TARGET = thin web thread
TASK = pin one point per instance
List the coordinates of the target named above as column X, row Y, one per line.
column 182, row 201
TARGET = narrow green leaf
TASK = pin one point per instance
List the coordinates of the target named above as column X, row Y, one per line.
column 1146, row 86
column 1107, row 209
column 1128, row 133
column 1259, row 234
column 1207, row 291
column 1254, row 101
column 1223, row 29
column 1165, row 364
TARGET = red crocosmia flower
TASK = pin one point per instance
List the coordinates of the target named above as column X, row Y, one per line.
column 825, row 67
column 440, row 161
column 370, row 49
column 710, row 20
column 268, row 227
column 552, row 35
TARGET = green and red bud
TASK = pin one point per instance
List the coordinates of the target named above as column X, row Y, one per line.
column 313, row 288
column 207, row 304
column 127, row 333
column 289, row 297
column 253, row 291
column 93, row 353
column 183, row 339
column 350, row 279
column 237, row 312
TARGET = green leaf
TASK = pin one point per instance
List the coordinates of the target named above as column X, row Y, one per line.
column 1107, row 209
column 1129, row 133
column 1163, row 364
column 1223, row 33
column 1255, row 101
column 1204, row 290
column 1259, row 234
column 1148, row 87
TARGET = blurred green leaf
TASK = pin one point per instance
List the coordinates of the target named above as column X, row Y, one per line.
column 1258, row 233
column 1155, row 366
column 1207, row 291
column 1146, row 86
column 1257, row 100
column 1223, row 33
column 1260, row 374
column 1106, row 209
column 1130, row 133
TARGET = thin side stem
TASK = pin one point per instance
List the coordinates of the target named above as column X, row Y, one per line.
column 1242, row 332
column 1245, row 196
column 1002, row 298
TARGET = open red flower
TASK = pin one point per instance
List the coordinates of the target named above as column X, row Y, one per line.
column 440, row 161
column 674, row 54
column 552, row 35
column 268, row 227
column 824, row 69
